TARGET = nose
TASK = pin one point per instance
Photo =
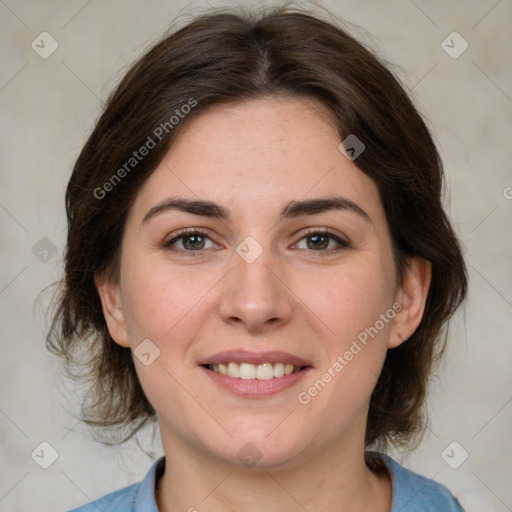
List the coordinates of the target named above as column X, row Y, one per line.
column 255, row 295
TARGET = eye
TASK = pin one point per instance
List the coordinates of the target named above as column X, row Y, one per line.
column 190, row 241
column 322, row 241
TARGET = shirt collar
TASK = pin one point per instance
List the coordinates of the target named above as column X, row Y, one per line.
column 145, row 501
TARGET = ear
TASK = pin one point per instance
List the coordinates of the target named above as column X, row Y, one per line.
column 110, row 296
column 410, row 300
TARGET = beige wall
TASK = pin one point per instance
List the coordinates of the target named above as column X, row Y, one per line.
column 48, row 107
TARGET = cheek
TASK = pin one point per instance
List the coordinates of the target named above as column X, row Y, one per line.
column 167, row 307
column 355, row 309
column 349, row 300
column 162, row 304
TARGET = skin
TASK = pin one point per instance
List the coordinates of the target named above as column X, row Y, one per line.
column 253, row 158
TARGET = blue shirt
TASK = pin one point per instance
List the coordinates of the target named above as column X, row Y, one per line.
column 411, row 493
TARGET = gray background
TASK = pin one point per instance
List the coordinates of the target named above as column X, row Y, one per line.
column 48, row 107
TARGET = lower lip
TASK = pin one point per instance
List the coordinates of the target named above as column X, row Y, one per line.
column 254, row 387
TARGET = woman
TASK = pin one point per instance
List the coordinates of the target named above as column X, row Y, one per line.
column 259, row 259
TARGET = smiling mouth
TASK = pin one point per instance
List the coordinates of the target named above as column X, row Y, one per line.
column 248, row 371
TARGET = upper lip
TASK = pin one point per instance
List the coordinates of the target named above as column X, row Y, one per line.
column 244, row 356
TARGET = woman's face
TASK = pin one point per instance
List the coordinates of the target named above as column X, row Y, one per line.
column 286, row 260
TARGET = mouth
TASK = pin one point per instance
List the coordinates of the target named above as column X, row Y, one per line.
column 248, row 371
column 251, row 374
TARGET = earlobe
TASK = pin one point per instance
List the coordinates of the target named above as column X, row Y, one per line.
column 412, row 297
column 109, row 293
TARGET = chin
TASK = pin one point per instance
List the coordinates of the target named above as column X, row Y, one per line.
column 259, row 449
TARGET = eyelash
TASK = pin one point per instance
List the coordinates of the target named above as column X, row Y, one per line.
column 342, row 244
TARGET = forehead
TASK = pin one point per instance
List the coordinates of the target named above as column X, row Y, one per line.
column 262, row 152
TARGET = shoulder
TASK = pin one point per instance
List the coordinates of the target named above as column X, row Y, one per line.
column 135, row 498
column 124, row 499
column 415, row 493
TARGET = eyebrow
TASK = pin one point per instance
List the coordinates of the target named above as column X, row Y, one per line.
column 290, row 210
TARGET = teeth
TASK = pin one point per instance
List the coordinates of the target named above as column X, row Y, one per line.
column 265, row 371
column 233, row 370
column 247, row 371
column 278, row 370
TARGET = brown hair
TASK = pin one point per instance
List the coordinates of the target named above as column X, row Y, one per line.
column 234, row 56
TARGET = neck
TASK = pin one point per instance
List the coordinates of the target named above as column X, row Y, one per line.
column 335, row 480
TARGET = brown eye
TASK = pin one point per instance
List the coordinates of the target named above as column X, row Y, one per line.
column 317, row 242
column 189, row 241
column 322, row 241
column 193, row 242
